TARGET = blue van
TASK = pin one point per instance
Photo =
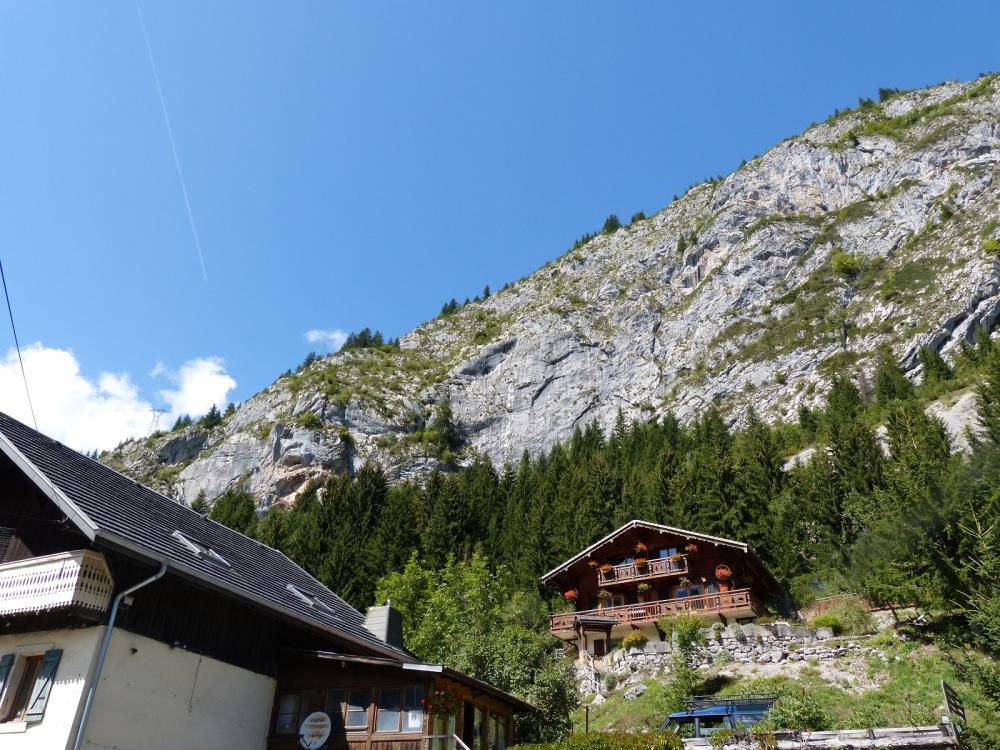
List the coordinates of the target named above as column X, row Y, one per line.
column 703, row 716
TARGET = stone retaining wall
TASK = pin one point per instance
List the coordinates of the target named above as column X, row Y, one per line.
column 772, row 643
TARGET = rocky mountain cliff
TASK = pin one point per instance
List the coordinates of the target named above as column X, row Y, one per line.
column 873, row 228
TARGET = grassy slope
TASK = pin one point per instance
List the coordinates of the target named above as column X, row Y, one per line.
column 905, row 690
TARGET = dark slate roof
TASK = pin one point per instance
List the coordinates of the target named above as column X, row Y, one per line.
column 649, row 526
column 116, row 511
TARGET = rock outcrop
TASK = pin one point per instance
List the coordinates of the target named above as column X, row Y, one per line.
column 865, row 231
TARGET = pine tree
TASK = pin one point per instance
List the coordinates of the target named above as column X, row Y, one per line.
column 447, row 531
column 707, row 478
column 237, row 509
column 891, row 384
column 988, row 396
column 936, row 370
column 759, row 480
column 200, row 504
column 843, row 403
column 212, row 418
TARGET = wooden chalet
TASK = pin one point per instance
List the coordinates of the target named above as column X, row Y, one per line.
column 644, row 571
column 129, row 620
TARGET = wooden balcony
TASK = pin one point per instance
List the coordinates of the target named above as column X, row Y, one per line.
column 659, row 567
column 738, row 603
column 65, row 580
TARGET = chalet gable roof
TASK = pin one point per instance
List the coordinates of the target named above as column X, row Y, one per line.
column 116, row 512
column 649, row 526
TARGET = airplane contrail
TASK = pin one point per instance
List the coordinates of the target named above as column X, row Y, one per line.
column 173, row 145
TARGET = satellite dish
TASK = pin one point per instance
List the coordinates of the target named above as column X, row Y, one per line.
column 315, row 730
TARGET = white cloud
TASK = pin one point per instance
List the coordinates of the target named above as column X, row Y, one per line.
column 201, row 383
column 99, row 413
column 332, row 340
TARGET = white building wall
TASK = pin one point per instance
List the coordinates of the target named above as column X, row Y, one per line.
column 79, row 652
column 163, row 698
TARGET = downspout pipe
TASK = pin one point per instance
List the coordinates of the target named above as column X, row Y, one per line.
column 103, row 652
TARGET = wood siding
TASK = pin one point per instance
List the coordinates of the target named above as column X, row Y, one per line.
column 303, row 676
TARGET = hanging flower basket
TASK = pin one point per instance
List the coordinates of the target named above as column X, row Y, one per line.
column 593, row 563
column 644, row 587
column 641, row 549
column 571, row 595
column 603, row 595
column 441, row 702
column 691, row 548
column 723, row 573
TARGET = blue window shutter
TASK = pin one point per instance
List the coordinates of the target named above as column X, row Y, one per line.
column 6, row 662
column 43, row 685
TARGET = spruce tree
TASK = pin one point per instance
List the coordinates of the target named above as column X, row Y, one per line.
column 759, row 480
column 988, row 396
column 936, row 370
column 891, row 384
column 201, row 504
column 237, row 509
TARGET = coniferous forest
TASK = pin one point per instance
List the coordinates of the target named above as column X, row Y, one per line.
column 897, row 517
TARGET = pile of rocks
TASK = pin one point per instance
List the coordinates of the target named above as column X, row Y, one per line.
column 760, row 644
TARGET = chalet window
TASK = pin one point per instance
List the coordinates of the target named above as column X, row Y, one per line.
column 390, row 701
column 336, row 705
column 26, row 682
column 400, row 710
column 498, row 733
column 357, row 709
column 22, row 693
column 288, row 714
column 477, row 727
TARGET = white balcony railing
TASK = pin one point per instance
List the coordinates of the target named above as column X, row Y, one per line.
column 77, row 579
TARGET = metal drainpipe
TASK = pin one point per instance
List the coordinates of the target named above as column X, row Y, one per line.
column 105, row 641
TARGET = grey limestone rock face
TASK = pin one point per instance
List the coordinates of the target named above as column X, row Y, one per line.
column 728, row 297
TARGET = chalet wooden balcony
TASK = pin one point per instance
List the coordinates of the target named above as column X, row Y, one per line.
column 737, row 603
column 659, row 567
column 78, row 580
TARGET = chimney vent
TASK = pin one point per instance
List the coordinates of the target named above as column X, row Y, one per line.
column 386, row 624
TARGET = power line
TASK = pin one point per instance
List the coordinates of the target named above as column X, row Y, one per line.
column 17, row 345
column 170, row 136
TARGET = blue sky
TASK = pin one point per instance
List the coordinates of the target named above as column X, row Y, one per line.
column 354, row 165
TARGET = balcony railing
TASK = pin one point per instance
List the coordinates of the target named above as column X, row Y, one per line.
column 740, row 599
column 630, row 572
column 77, row 579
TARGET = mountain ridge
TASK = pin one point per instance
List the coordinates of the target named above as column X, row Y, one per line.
column 867, row 230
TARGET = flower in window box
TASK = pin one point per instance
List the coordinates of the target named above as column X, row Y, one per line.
column 640, row 561
column 442, row 702
column 607, row 567
column 676, row 557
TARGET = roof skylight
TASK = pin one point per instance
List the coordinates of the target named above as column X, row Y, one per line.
column 200, row 550
column 311, row 599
